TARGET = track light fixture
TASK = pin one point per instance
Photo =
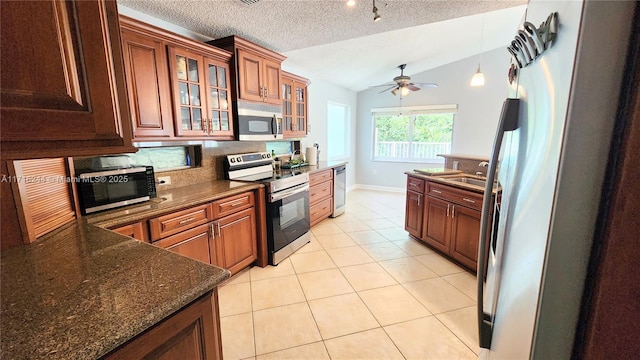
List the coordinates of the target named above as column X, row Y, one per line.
column 376, row 14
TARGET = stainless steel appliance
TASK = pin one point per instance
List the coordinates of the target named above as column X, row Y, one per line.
column 259, row 122
column 339, row 190
column 549, row 157
column 288, row 220
column 111, row 188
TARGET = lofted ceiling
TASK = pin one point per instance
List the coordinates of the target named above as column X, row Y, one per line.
column 343, row 45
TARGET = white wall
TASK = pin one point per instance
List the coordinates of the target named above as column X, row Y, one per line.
column 321, row 92
column 474, row 125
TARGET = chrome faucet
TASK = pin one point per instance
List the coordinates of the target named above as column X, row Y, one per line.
column 482, row 164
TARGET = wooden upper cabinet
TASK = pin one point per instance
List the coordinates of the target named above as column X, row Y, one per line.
column 257, row 70
column 294, row 105
column 180, row 88
column 271, row 81
column 147, row 84
column 187, row 82
column 250, row 73
column 62, row 81
column 218, row 99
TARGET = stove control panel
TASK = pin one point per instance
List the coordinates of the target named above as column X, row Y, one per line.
column 248, row 159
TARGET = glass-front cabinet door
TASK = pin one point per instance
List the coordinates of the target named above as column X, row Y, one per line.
column 201, row 95
column 301, row 109
column 287, row 105
column 218, row 117
column 187, row 80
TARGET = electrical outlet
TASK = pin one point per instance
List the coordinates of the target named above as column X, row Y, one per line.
column 164, row 180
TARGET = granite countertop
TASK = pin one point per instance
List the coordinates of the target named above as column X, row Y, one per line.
column 322, row 165
column 82, row 291
column 171, row 200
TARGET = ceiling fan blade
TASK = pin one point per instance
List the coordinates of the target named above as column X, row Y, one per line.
column 387, row 89
column 427, row 85
column 389, row 84
column 412, row 87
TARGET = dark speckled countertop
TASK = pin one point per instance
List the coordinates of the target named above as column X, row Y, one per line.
column 171, row 200
column 82, row 291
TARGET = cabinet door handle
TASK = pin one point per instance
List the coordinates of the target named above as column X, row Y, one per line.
column 218, row 226
column 436, row 191
column 448, row 206
column 266, row 91
column 419, row 199
column 469, row 200
column 453, row 211
column 182, row 222
column 213, row 231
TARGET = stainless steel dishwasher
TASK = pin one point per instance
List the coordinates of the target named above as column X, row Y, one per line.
column 339, row 190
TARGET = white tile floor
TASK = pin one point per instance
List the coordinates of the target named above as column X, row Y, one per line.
column 362, row 289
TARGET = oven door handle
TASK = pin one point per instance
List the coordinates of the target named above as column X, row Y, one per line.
column 283, row 194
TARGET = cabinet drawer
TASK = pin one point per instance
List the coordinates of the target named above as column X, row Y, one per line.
column 461, row 197
column 320, row 210
column 321, row 191
column 232, row 204
column 176, row 222
column 193, row 243
column 415, row 184
column 135, row 230
column 321, row 176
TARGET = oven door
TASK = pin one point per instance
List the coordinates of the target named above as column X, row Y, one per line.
column 288, row 215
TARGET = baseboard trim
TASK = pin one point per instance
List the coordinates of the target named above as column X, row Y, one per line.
column 377, row 188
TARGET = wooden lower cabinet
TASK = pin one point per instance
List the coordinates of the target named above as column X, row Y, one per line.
column 320, row 195
column 193, row 243
column 191, row 333
column 448, row 219
column 135, row 230
column 414, row 213
column 222, row 233
column 236, row 240
column 437, row 228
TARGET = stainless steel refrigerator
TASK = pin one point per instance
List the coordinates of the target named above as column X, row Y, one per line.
column 549, row 159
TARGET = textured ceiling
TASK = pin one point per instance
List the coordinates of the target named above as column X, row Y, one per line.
column 343, row 44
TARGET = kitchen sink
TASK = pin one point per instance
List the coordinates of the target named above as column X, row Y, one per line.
column 468, row 180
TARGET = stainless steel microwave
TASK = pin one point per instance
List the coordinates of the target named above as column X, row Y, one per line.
column 111, row 188
column 259, row 122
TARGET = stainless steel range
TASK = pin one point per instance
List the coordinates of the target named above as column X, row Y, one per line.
column 287, row 201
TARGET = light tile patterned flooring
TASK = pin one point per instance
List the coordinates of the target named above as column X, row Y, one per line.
column 361, row 289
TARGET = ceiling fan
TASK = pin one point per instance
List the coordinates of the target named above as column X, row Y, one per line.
column 404, row 85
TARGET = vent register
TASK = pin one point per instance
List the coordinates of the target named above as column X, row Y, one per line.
column 249, row 2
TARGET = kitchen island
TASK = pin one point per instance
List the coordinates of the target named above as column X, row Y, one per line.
column 83, row 291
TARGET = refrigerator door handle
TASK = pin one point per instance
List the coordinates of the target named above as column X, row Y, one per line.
column 508, row 122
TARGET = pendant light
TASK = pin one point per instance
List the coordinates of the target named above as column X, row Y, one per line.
column 478, row 77
column 376, row 14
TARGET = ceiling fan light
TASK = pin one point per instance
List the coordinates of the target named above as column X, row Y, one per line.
column 478, row 78
column 395, row 91
column 351, row 3
column 376, row 14
column 404, row 91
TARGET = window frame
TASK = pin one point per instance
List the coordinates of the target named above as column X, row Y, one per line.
column 410, row 111
column 347, row 131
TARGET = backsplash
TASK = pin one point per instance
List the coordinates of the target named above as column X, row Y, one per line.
column 212, row 167
column 468, row 164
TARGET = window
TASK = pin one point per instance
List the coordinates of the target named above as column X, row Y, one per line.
column 338, row 125
column 416, row 133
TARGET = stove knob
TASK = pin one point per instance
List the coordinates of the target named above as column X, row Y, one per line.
column 264, row 156
column 268, row 156
column 239, row 159
column 232, row 160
